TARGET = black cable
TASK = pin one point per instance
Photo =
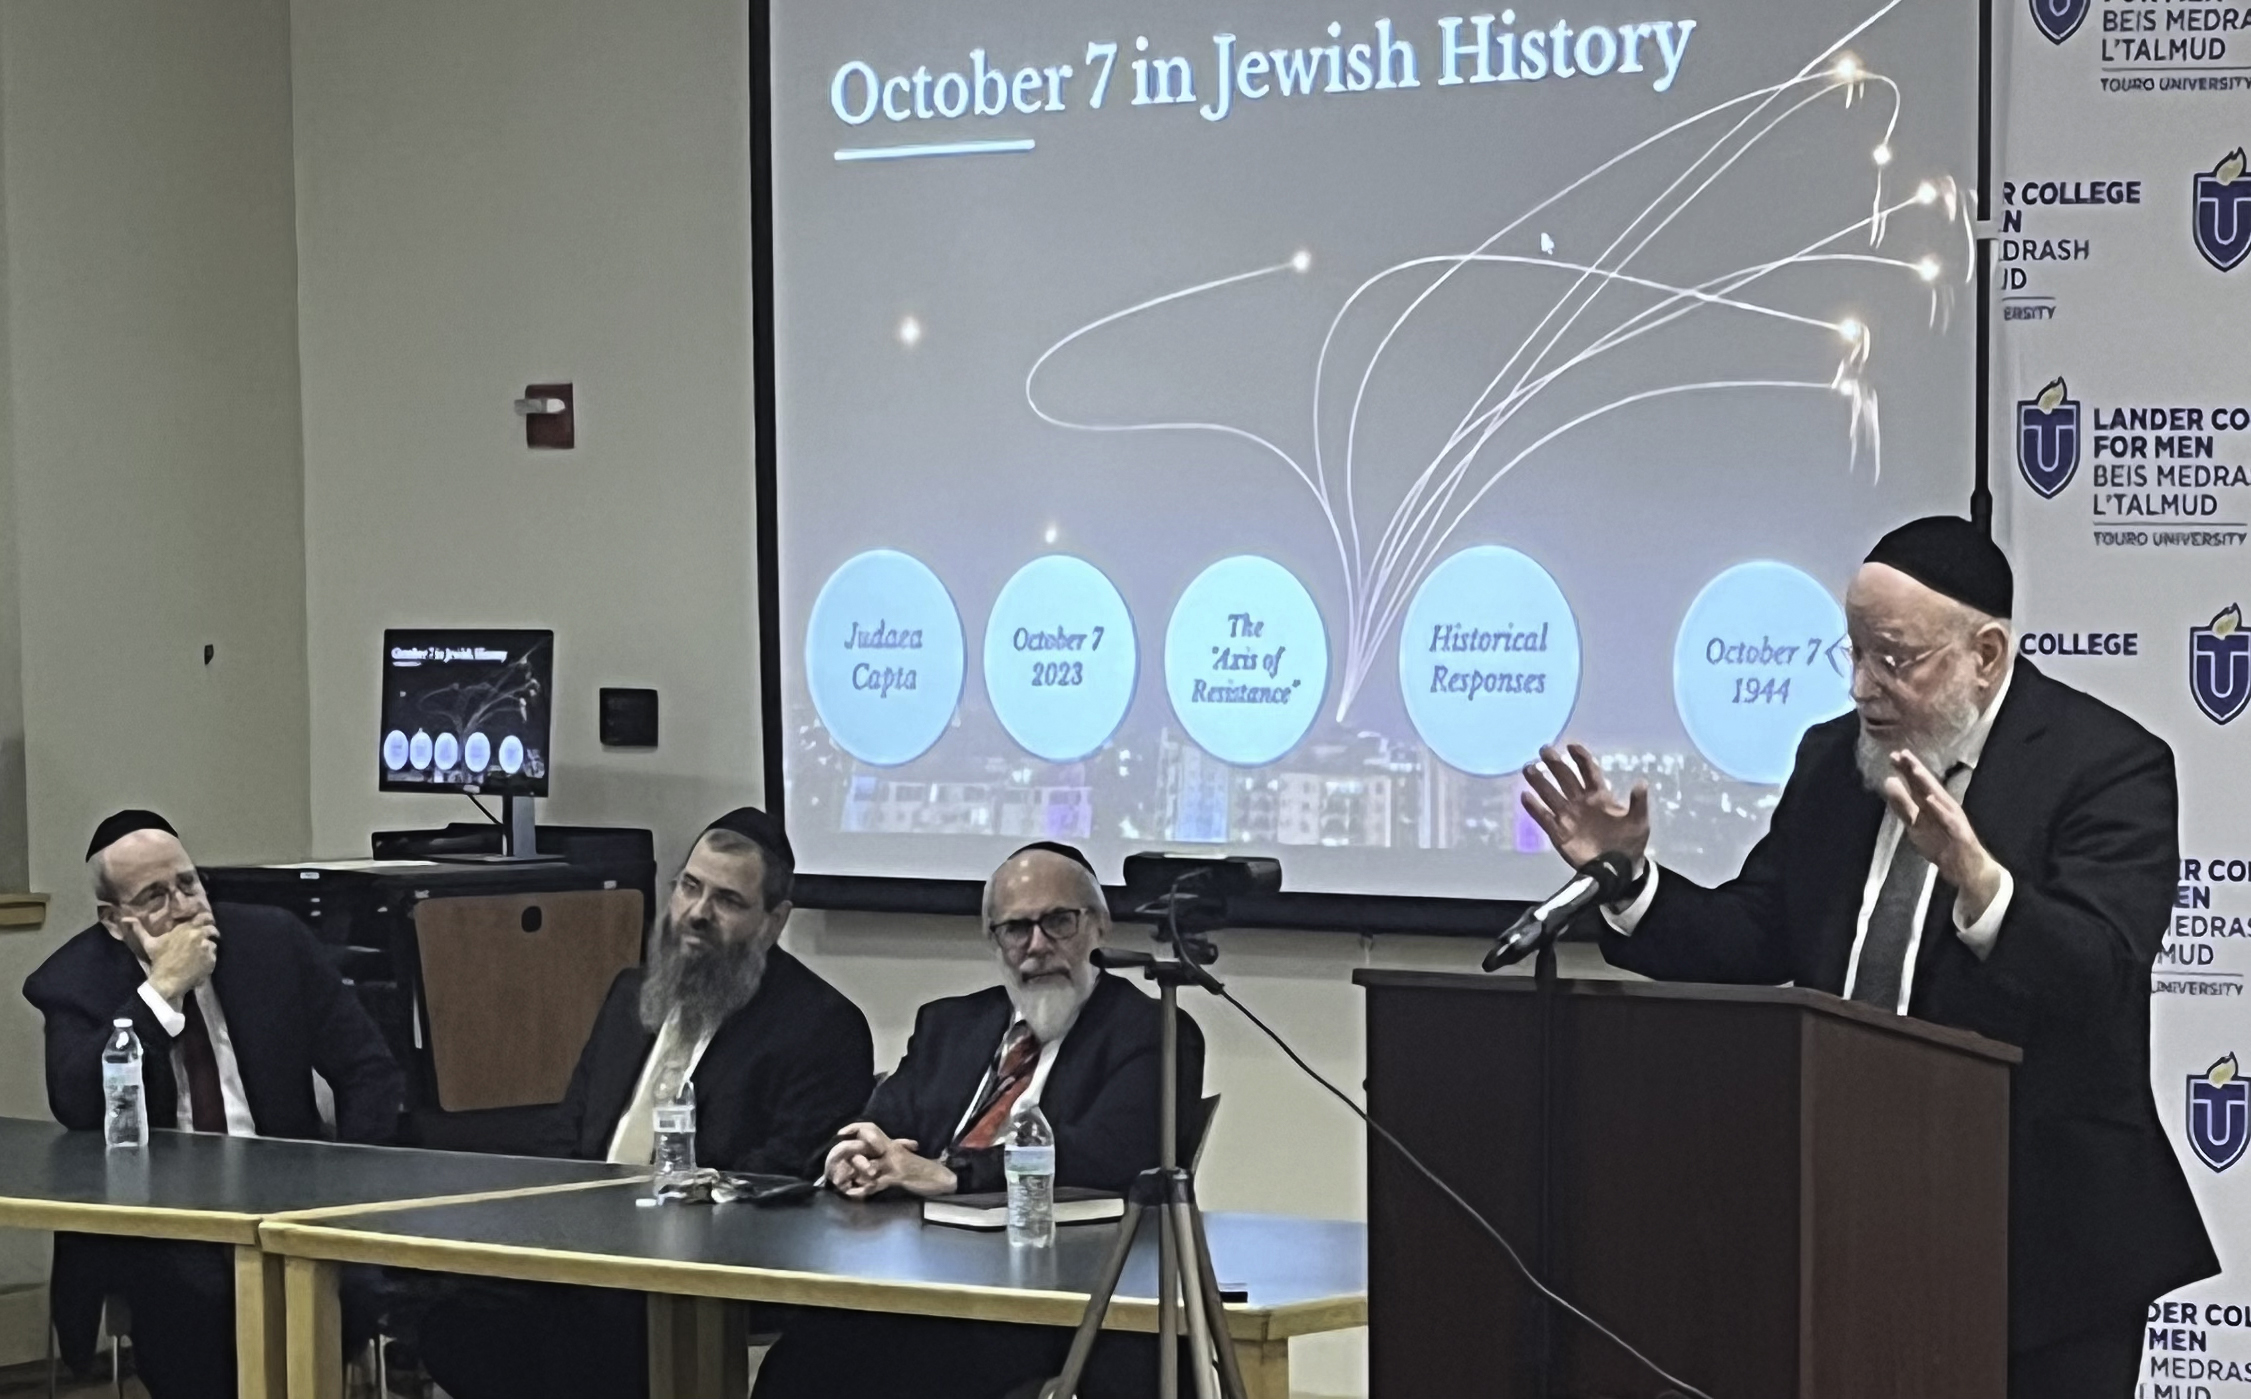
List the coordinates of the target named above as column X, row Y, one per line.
column 472, row 796
column 1680, row 1387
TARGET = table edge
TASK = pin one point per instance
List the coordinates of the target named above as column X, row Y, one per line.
column 474, row 1197
column 961, row 1301
column 143, row 1221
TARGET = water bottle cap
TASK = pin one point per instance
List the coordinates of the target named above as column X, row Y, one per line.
column 122, row 1023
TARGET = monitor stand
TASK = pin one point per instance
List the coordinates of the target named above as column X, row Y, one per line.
column 519, row 834
column 520, row 815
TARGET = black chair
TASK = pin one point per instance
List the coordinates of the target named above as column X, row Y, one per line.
column 1200, row 1130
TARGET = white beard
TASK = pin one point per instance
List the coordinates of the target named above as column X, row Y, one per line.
column 1938, row 749
column 1050, row 1006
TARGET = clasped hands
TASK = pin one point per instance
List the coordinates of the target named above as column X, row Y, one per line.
column 868, row 1161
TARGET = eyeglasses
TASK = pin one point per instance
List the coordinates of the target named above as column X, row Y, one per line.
column 1890, row 669
column 157, row 898
column 1060, row 925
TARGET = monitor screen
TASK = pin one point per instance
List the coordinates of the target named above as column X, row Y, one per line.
column 1245, row 428
column 466, row 711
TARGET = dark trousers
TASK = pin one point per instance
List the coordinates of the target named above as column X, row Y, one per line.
column 490, row 1340
column 879, row 1355
column 2103, row 1363
column 181, row 1296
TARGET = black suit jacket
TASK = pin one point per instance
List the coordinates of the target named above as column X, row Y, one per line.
column 1100, row 1097
column 288, row 1014
column 776, row 1081
column 2079, row 803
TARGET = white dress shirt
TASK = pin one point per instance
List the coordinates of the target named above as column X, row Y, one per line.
column 175, row 1023
column 633, row 1141
column 1978, row 935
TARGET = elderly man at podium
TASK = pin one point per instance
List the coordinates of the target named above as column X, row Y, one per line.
column 1980, row 846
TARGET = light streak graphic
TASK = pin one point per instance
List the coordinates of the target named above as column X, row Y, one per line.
column 1602, row 307
column 852, row 153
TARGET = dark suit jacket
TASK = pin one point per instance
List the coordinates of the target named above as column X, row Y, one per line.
column 288, row 1014
column 1101, row 1096
column 2079, row 803
column 776, row 1081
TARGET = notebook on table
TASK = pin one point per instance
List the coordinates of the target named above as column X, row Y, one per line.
column 989, row 1210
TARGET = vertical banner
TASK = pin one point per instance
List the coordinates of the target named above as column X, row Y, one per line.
column 2121, row 467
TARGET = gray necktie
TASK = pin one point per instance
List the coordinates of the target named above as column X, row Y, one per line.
column 1891, row 923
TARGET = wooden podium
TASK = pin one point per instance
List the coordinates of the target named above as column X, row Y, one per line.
column 1770, row 1192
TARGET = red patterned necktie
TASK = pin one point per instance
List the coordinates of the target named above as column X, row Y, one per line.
column 1009, row 1083
column 207, row 1109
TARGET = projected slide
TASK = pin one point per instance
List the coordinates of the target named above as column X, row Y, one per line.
column 1240, row 426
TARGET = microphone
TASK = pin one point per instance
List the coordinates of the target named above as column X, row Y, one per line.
column 1599, row 881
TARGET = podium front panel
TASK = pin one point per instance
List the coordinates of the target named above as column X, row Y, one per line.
column 1767, row 1199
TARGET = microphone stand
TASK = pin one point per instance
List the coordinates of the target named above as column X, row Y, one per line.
column 1184, row 1267
column 1545, row 989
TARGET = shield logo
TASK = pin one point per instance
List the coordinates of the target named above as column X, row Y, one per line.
column 2219, row 665
column 2048, row 439
column 2223, row 213
column 2219, row 1114
column 2058, row 19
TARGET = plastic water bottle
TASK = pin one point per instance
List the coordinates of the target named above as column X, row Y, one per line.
column 125, row 1113
column 676, row 1142
column 1029, row 1161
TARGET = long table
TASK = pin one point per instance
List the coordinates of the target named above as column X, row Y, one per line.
column 1301, row 1276
column 219, row 1189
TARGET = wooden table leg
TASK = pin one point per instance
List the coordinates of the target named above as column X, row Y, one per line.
column 1266, row 1368
column 260, row 1345
column 315, row 1324
column 699, row 1348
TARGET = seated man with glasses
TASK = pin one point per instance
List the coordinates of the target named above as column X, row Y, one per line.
column 237, row 1011
column 1981, row 846
column 1058, row 1031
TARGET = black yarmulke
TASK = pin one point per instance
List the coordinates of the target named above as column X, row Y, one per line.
column 1950, row 555
column 759, row 829
column 1056, row 847
column 116, row 827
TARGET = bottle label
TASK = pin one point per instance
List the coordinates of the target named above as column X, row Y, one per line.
column 116, row 1076
column 675, row 1119
column 1030, row 1160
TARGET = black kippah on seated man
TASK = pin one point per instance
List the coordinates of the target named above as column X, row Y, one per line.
column 237, row 1010
column 1979, row 846
column 777, row 1060
column 1058, row 1031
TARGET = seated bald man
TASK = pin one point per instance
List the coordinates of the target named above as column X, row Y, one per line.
column 237, row 1009
column 1980, row 846
column 777, row 1060
column 1058, row 1031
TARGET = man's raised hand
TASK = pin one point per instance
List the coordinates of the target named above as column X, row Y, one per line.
column 180, row 960
column 1571, row 800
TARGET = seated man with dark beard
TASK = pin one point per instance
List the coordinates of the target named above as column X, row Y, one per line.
column 777, row 1060
column 1059, row 1032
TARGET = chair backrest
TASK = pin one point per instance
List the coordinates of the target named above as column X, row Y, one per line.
column 511, row 984
column 1205, row 1112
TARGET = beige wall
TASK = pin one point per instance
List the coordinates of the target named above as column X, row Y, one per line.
column 158, row 497
column 492, row 195
column 150, row 474
column 15, row 854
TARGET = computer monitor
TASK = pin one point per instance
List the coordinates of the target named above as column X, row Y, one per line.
column 466, row 711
